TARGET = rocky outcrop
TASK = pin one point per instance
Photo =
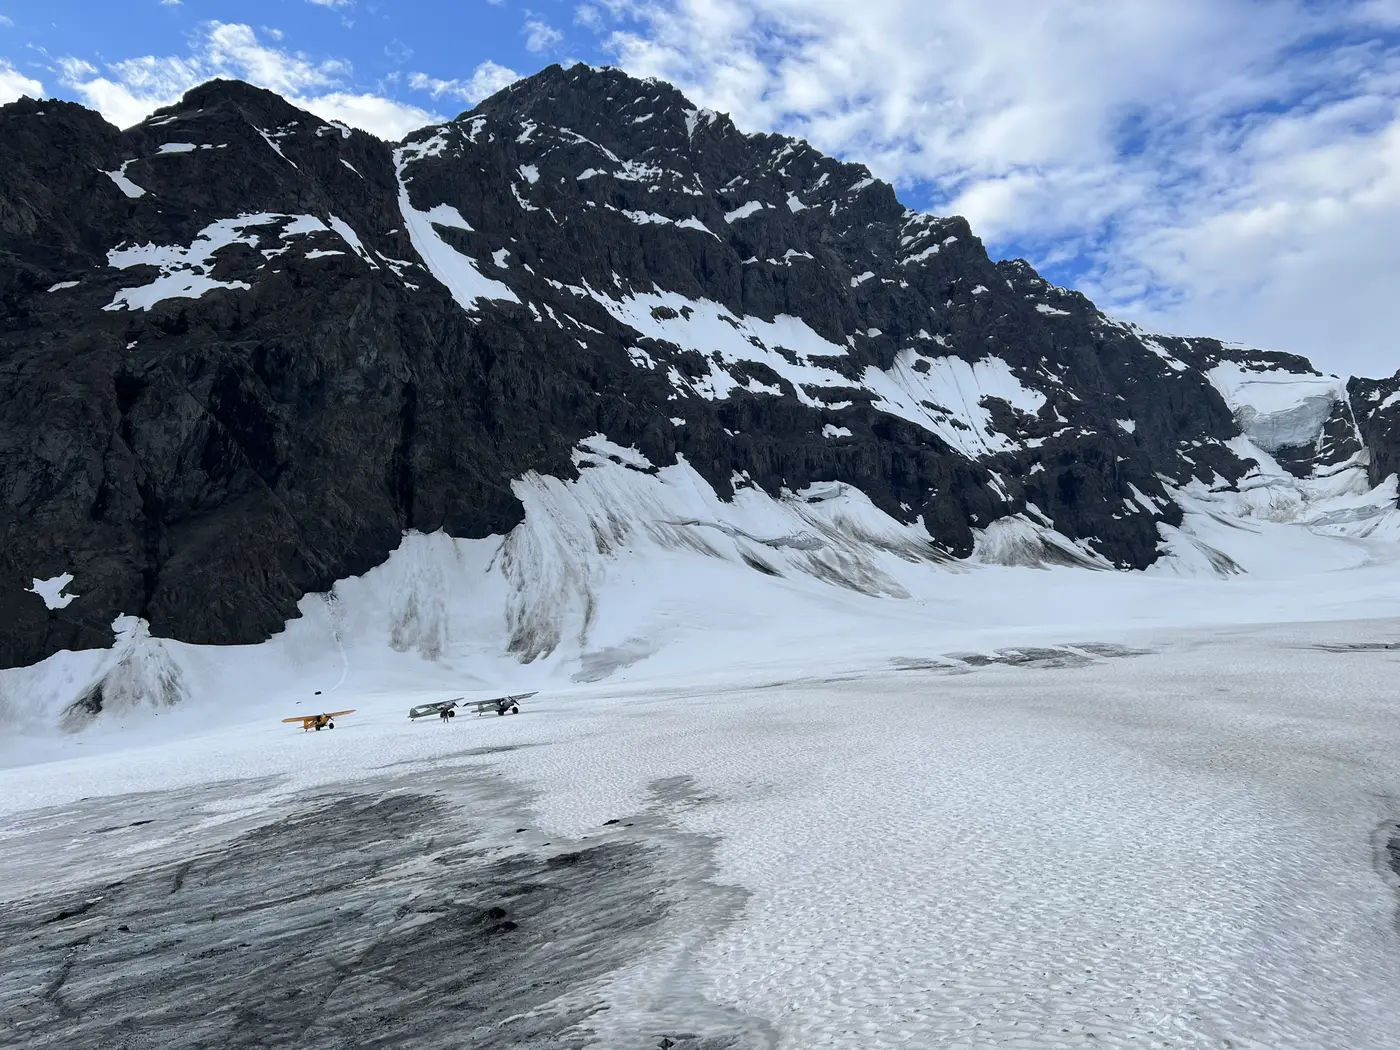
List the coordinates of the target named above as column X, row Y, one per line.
column 243, row 350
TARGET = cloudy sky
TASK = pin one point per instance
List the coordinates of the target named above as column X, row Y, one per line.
column 1220, row 167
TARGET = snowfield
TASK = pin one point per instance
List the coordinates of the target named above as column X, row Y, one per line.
column 792, row 780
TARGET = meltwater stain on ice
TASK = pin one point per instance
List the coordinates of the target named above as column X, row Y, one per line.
column 362, row 920
column 1080, row 655
column 599, row 664
column 1356, row 647
column 1386, row 842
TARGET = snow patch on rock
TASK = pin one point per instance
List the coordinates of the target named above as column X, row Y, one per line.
column 744, row 211
column 123, row 183
column 456, row 272
column 52, row 590
column 184, row 271
column 947, row 396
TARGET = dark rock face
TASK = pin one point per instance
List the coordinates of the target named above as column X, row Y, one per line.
column 339, row 339
column 1376, row 407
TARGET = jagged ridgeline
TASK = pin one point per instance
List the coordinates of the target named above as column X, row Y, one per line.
column 245, row 350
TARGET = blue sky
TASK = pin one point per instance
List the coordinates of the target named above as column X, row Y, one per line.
column 1224, row 167
column 377, row 46
column 378, row 39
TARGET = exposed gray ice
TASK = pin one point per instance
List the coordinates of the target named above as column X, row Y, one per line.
column 372, row 918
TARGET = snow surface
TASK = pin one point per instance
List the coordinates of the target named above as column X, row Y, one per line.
column 985, row 804
column 1270, row 390
column 1276, row 408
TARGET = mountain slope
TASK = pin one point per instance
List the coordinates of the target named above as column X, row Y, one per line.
column 245, row 350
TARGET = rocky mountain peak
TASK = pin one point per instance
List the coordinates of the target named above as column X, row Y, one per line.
column 216, row 101
column 607, row 105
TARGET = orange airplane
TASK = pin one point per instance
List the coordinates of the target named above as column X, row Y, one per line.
column 318, row 722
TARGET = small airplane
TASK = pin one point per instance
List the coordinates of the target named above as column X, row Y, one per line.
column 319, row 722
column 444, row 709
column 503, row 704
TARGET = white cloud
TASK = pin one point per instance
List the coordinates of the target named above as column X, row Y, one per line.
column 127, row 92
column 236, row 48
column 13, row 84
column 1301, row 256
column 541, row 36
column 331, row 3
column 486, row 80
column 379, row 116
column 1206, row 162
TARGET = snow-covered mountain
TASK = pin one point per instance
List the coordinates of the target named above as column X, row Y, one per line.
column 248, row 352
